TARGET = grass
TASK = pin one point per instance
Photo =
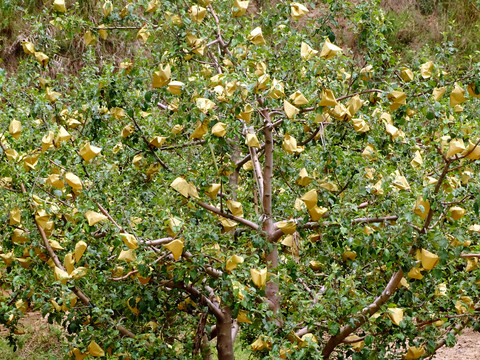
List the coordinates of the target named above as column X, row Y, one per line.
column 417, row 26
column 421, row 26
column 41, row 341
column 239, row 351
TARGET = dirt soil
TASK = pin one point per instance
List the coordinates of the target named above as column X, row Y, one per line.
column 40, row 338
column 466, row 348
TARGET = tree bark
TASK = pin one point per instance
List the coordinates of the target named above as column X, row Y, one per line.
column 224, row 335
column 206, row 353
column 363, row 317
column 272, row 288
column 268, row 227
column 268, row 173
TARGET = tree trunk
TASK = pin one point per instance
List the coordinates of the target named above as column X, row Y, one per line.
column 271, row 288
column 206, row 353
column 224, row 336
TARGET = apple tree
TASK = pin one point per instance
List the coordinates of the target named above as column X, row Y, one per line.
column 176, row 172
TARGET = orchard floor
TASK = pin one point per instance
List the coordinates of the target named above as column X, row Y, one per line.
column 43, row 341
column 466, row 348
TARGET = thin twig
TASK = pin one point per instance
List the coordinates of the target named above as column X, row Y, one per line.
column 158, row 241
column 227, row 215
column 105, row 212
column 469, row 255
column 366, row 220
column 133, row 272
column 160, row 161
column 119, row 27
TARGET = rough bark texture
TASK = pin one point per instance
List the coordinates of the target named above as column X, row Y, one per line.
column 206, row 352
column 268, row 173
column 224, row 335
column 272, row 288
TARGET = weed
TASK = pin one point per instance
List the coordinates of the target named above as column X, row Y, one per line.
column 431, row 24
column 41, row 341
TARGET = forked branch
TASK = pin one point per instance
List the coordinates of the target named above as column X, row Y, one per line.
column 363, row 317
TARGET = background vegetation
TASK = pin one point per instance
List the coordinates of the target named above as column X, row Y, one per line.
column 373, row 169
column 416, row 28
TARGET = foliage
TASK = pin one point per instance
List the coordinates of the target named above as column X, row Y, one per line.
column 228, row 175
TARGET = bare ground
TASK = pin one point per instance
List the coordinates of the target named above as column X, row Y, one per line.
column 466, row 348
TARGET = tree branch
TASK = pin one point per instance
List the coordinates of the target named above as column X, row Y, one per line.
column 314, row 134
column 429, row 217
column 362, row 318
column 428, row 322
column 248, row 157
column 360, row 93
column 312, row 108
column 195, row 293
column 79, row 293
column 472, row 150
column 208, row 269
column 125, row 277
column 457, row 328
column 219, row 33
column 257, row 170
column 365, row 220
column 353, row 341
column 118, row 27
column 213, row 307
column 105, row 212
column 227, row 215
column 462, row 255
column 450, row 203
column 268, row 168
column 158, row 241
column 162, row 106
column 474, row 6
column 160, row 161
